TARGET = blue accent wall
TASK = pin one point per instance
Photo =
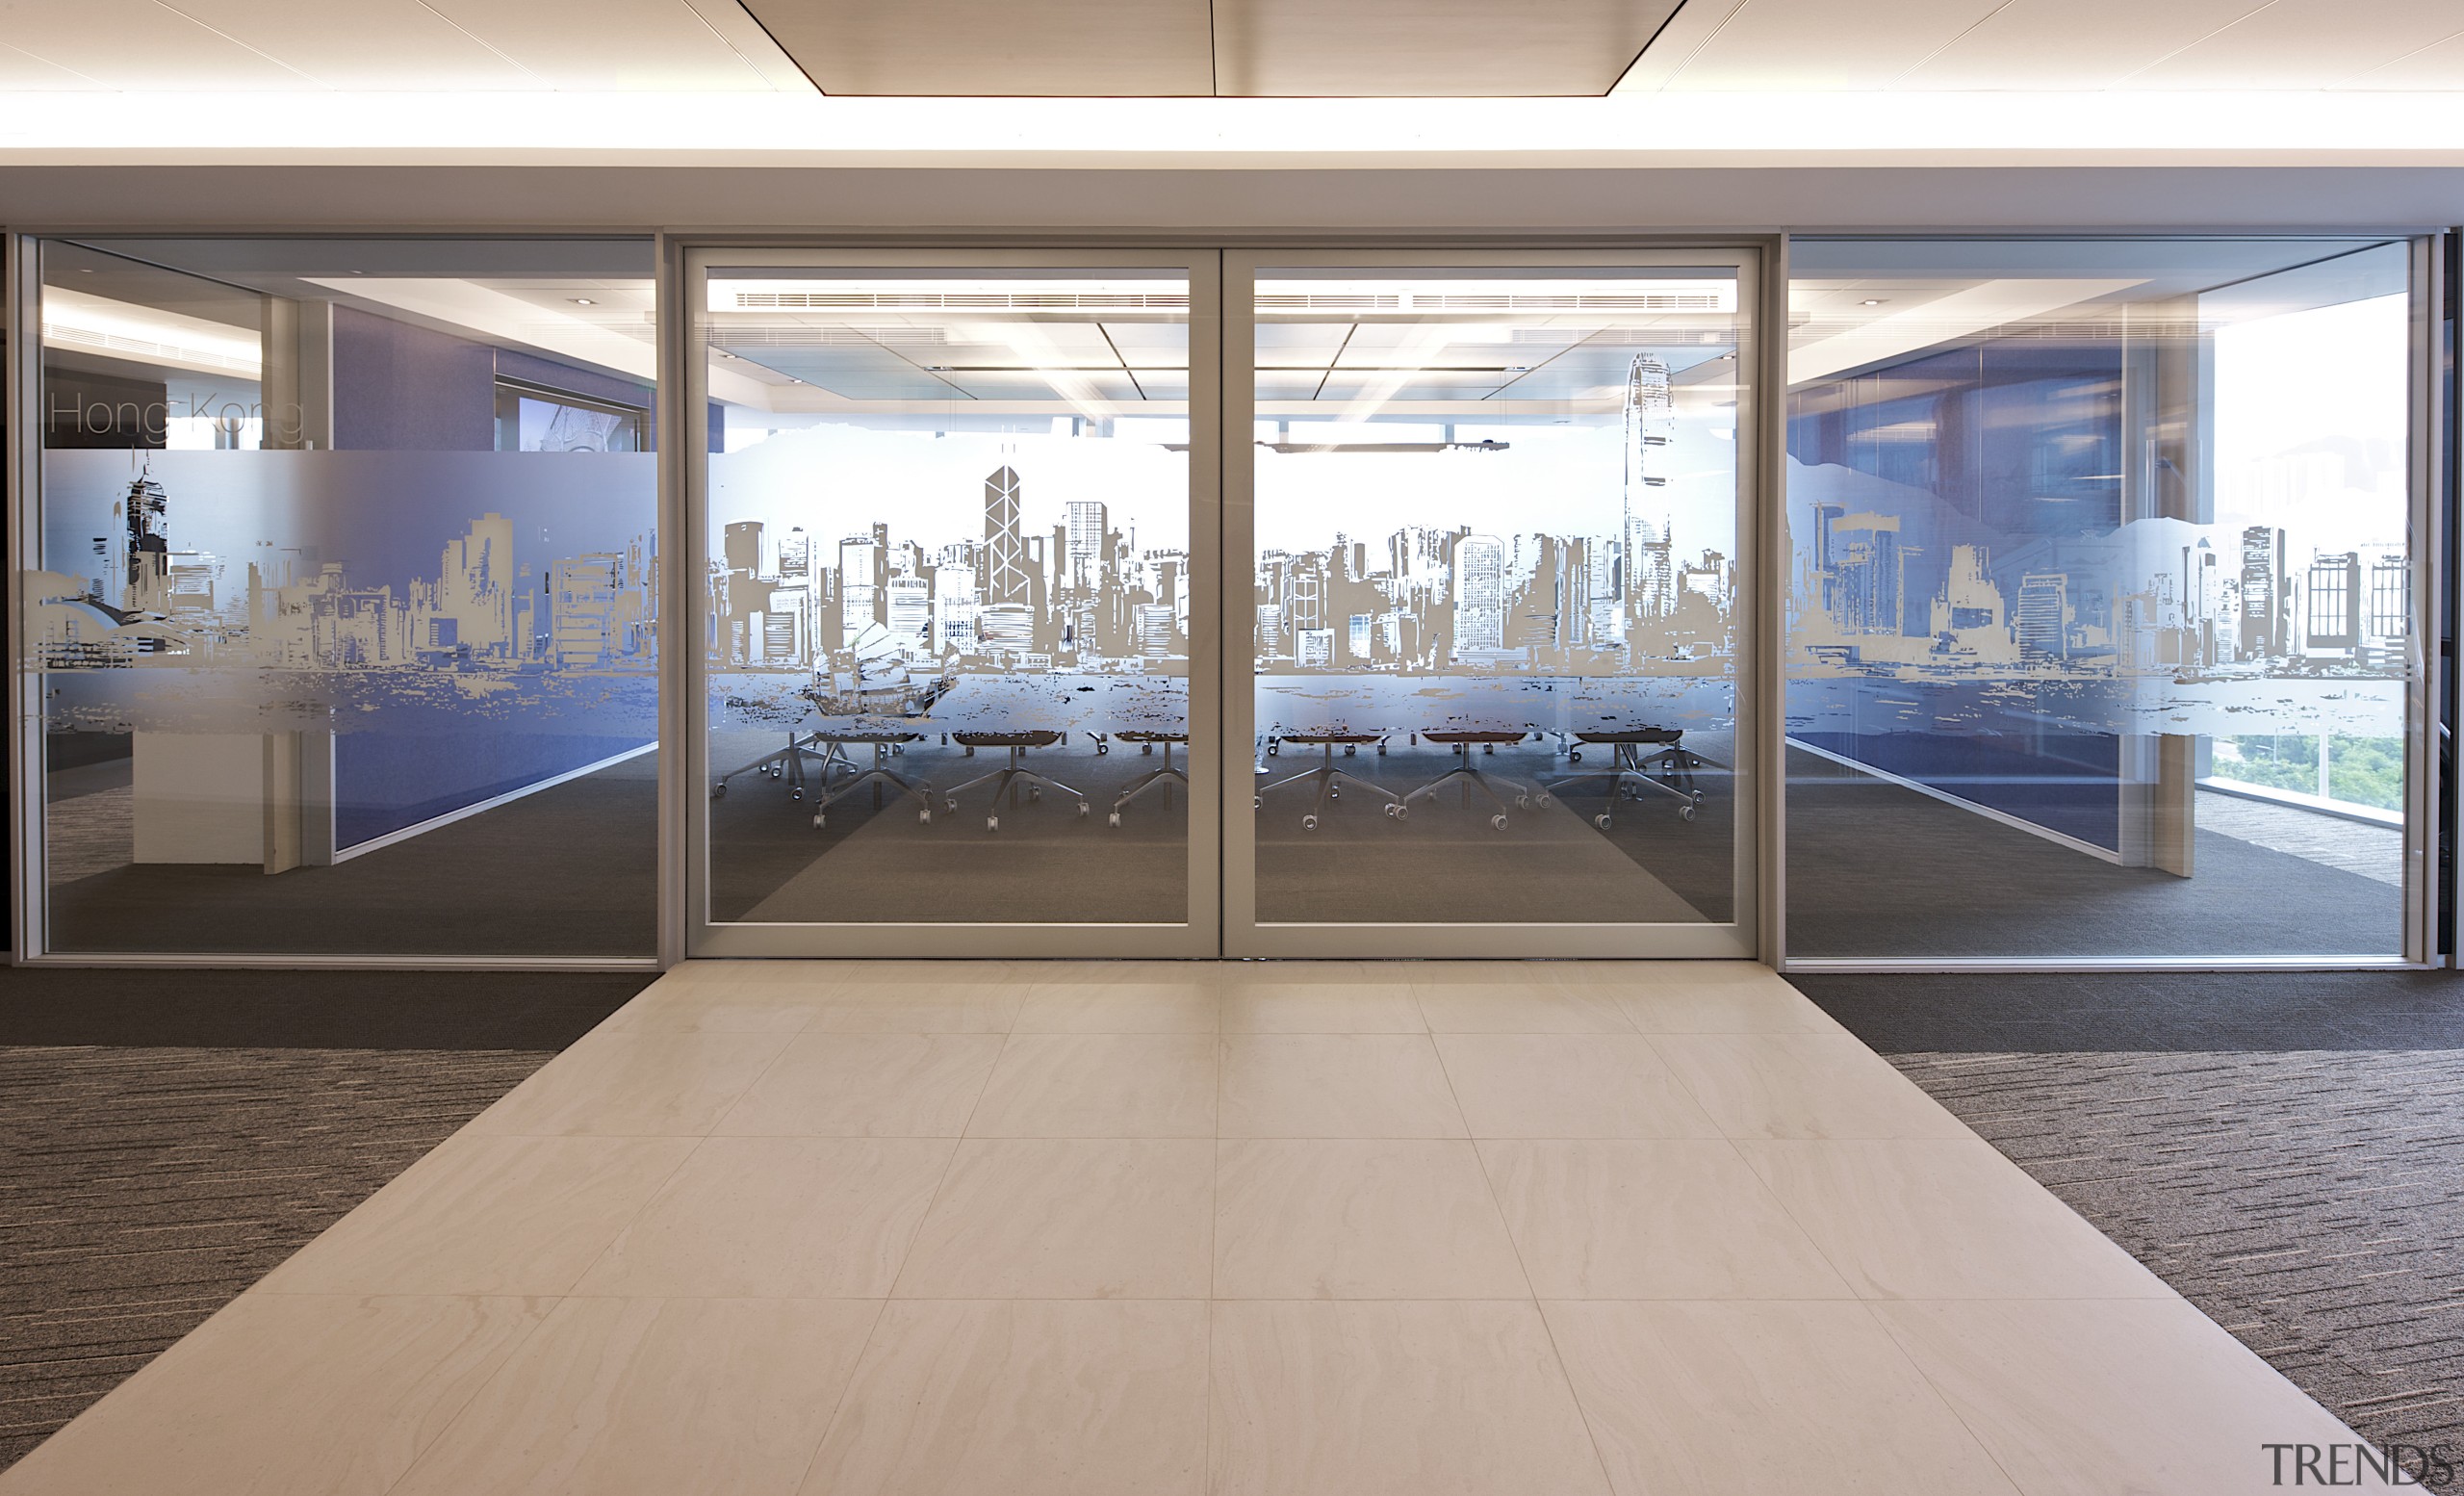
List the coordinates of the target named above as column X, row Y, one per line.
column 402, row 388
column 385, row 782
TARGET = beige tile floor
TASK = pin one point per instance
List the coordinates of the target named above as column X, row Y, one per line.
column 1308, row 1229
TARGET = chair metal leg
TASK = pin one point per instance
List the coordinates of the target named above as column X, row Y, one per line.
column 1472, row 779
column 1163, row 776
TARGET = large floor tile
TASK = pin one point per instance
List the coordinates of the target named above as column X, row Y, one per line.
column 1320, row 998
column 1568, row 1086
column 1393, row 1399
column 1357, row 1218
column 670, row 1006
column 1335, row 1085
column 924, row 997
column 1803, row 1086
column 1717, row 997
column 2137, row 1397
column 1100, row 1085
column 1523, row 998
column 1651, row 1220
column 641, row 1084
column 867, row 1085
column 654, row 1396
column 1041, row 1217
column 285, row 1396
column 487, row 1215
column 1124, row 997
column 1024, row 1399
column 778, row 1217
column 1762, row 1397
column 1943, row 1219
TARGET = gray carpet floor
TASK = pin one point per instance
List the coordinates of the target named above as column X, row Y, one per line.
column 2287, row 1151
column 173, row 1135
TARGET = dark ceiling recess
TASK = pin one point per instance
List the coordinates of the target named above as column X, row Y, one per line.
column 1234, row 48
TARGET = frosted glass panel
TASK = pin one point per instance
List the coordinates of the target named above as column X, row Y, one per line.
column 947, row 619
column 1498, row 617
column 324, row 670
column 2103, row 631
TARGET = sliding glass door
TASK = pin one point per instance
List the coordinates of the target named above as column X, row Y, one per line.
column 954, row 597
column 963, row 599
column 1490, row 530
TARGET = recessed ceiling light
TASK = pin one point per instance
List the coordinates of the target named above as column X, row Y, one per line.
column 1871, row 301
column 584, row 301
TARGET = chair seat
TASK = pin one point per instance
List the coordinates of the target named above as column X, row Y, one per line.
column 1476, row 736
column 1316, row 740
column 1039, row 737
column 1639, row 734
column 874, row 736
column 1144, row 735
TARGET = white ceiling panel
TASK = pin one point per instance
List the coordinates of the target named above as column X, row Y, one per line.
column 1695, row 23
column 2304, row 44
column 996, row 47
column 1820, row 45
column 2068, row 44
column 658, row 45
column 22, row 72
column 1429, row 48
column 139, row 45
column 366, row 44
column 2439, row 66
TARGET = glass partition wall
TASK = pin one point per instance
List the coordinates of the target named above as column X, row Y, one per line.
column 2106, row 603
column 2100, row 576
column 339, row 599
column 1498, row 606
column 955, row 606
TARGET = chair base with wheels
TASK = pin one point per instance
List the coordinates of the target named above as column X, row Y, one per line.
column 1164, row 777
column 1010, row 778
column 1629, row 774
column 883, row 743
column 1462, row 741
column 1329, row 779
column 788, row 765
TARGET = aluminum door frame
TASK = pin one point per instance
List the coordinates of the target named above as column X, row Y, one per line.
column 1245, row 935
column 1201, row 934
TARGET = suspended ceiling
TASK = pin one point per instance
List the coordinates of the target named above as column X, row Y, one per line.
column 1256, row 48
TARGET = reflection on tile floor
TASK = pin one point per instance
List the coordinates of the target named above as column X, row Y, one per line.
column 1334, row 1228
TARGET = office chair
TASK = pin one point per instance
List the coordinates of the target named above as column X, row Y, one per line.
column 1629, row 774
column 883, row 742
column 1007, row 779
column 1462, row 740
column 788, row 765
column 1165, row 776
column 1326, row 777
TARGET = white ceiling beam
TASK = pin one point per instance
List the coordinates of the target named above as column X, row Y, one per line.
column 1665, row 129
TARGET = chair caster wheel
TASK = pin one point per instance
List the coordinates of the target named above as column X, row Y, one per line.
column 1497, row 821
column 1541, row 798
column 1685, row 813
column 1399, row 812
column 1600, row 821
column 1115, row 818
column 951, row 806
column 718, row 792
column 1523, row 802
column 1574, row 756
column 1308, row 823
column 1082, row 808
column 1273, row 751
column 925, row 815
column 1034, row 794
column 1257, row 802
column 992, row 823
column 795, row 795
column 820, row 822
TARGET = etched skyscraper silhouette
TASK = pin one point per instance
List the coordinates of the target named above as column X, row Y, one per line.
column 1005, row 548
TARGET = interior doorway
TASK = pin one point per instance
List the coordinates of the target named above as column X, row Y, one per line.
column 1138, row 602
